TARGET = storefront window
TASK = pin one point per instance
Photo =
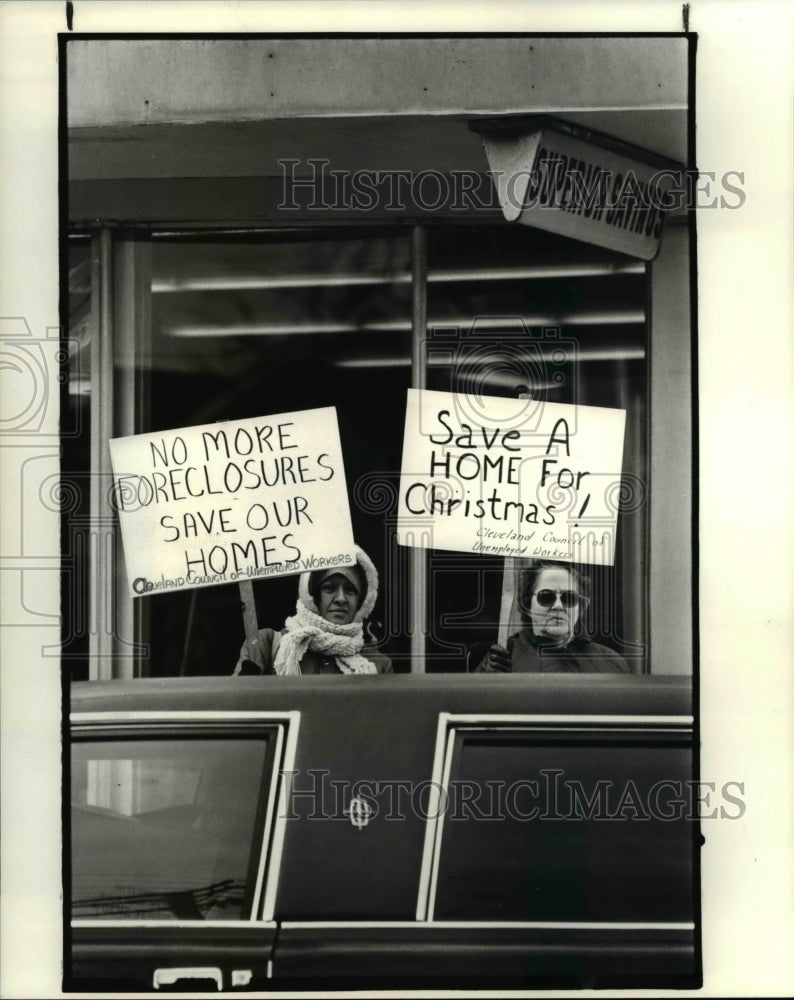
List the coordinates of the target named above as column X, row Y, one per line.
column 233, row 325
column 515, row 311
column 246, row 326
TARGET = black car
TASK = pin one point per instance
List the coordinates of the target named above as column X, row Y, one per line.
column 436, row 831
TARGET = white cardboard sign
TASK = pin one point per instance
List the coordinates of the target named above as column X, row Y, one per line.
column 232, row 501
column 511, row 477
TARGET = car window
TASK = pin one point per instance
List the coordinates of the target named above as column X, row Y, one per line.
column 166, row 829
column 566, row 826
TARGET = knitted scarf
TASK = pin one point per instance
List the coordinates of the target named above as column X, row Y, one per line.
column 306, row 630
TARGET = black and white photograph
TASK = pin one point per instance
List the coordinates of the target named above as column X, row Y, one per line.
column 374, row 429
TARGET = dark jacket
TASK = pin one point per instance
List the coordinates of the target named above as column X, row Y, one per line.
column 580, row 656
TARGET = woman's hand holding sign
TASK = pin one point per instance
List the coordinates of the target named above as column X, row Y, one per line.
column 496, row 659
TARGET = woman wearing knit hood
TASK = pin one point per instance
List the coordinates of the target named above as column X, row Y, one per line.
column 326, row 633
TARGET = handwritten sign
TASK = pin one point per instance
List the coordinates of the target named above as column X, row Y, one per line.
column 233, row 501
column 511, row 477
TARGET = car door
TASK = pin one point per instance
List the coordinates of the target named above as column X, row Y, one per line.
column 559, row 846
column 173, row 848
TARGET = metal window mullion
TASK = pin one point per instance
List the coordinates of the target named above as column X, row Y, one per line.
column 671, row 480
column 418, row 622
column 634, row 590
column 100, row 596
column 131, row 354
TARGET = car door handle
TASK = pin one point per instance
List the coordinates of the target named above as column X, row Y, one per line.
column 167, row 977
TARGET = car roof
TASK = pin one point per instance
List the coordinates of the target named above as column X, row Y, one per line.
column 556, row 694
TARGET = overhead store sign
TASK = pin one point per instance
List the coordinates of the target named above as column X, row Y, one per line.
column 511, row 477
column 593, row 191
column 233, row 501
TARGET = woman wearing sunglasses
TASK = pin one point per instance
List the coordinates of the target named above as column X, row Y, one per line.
column 553, row 597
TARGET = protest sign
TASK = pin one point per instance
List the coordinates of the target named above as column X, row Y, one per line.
column 233, row 501
column 511, row 477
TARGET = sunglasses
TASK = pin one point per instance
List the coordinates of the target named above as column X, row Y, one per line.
column 568, row 598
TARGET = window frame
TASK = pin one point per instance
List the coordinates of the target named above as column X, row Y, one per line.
column 121, row 307
column 451, row 725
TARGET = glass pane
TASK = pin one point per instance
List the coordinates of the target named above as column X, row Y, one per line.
column 164, row 829
column 545, row 833
column 515, row 310
column 246, row 326
column 75, row 492
column 80, row 325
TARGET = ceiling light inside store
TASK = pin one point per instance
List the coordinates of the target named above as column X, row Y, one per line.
column 218, row 283
column 617, row 318
column 596, row 354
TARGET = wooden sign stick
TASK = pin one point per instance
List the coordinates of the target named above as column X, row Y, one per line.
column 249, row 618
column 508, row 580
column 508, row 596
